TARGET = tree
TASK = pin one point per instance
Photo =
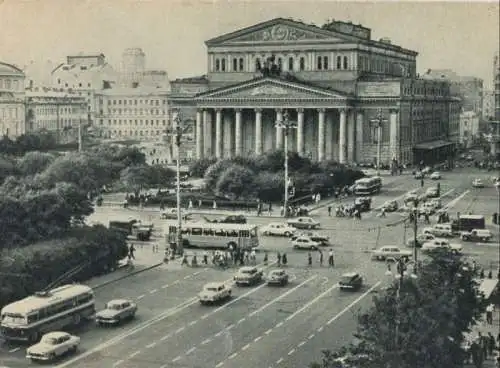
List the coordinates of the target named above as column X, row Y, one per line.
column 269, row 186
column 34, row 162
column 214, row 171
column 198, row 168
column 236, row 181
column 7, row 167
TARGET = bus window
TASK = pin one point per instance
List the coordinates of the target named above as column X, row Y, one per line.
column 253, row 233
column 196, row 231
column 172, row 229
column 208, row 232
column 185, row 231
column 244, row 233
column 220, row 233
column 232, row 233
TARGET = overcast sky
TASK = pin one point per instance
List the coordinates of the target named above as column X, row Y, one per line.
column 461, row 36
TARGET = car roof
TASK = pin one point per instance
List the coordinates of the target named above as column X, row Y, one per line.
column 247, row 268
column 119, row 301
column 56, row 334
column 214, row 284
column 350, row 274
column 277, row 270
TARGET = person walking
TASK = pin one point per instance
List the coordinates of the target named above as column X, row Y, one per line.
column 284, row 259
column 266, row 258
column 330, row 211
column 489, row 314
column 309, row 259
column 331, row 261
column 131, row 252
column 205, row 257
column 320, row 257
column 278, row 258
column 491, row 343
column 382, row 212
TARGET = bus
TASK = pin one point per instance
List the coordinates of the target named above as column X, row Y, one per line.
column 214, row 235
column 368, row 186
column 29, row 318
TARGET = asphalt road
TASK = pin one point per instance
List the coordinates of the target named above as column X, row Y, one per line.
column 261, row 326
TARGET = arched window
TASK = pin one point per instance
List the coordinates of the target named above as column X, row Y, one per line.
column 339, row 62
column 235, row 65
column 257, row 64
column 223, row 65
column 320, row 64
column 302, row 63
column 325, row 62
column 346, row 63
column 290, row 64
column 241, row 64
column 217, row 65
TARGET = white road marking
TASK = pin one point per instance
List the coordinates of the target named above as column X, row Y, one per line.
column 230, row 327
column 357, row 300
column 279, row 360
column 187, row 277
column 153, row 291
column 453, row 202
column 245, row 347
column 313, row 301
column 269, row 331
column 257, row 338
column 118, row 362
column 192, row 323
column 14, row 350
column 320, row 329
column 205, row 316
column 134, row 354
column 165, row 286
column 218, row 334
column 176, row 359
column 219, row 365
column 206, row 341
column 311, row 336
column 325, row 281
column 197, row 272
column 291, row 352
column 191, row 350
column 166, row 337
column 234, row 355
column 282, row 296
column 176, row 282
column 180, row 329
column 302, row 343
column 241, row 320
column 141, row 296
column 279, row 324
column 152, row 345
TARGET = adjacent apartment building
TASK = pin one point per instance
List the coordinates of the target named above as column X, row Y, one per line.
column 12, row 122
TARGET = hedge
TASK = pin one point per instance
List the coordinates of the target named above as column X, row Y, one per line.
column 88, row 251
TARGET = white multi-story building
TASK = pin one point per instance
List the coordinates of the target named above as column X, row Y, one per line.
column 132, row 113
column 62, row 113
column 12, row 123
column 469, row 128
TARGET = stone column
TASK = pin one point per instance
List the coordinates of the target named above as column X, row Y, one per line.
column 199, row 135
column 300, row 132
column 207, row 133
column 351, row 144
column 237, row 133
column 359, row 135
column 342, row 136
column 227, row 142
column 321, row 134
column 279, row 130
column 218, row 133
column 394, row 134
column 258, row 131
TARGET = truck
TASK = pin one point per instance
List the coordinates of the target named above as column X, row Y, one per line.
column 468, row 223
column 133, row 228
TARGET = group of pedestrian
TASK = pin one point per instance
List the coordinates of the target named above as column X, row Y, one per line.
column 232, row 256
column 481, row 348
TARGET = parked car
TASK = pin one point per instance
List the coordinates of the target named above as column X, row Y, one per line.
column 171, row 214
column 438, row 243
column 115, row 312
column 231, row 219
column 389, row 252
column 351, row 281
column 52, row 346
column 432, row 192
column 439, row 230
column 390, row 206
column 214, row 292
column 421, row 239
column 436, row 203
column 363, row 204
column 482, row 235
column 419, row 175
column 248, row 275
column 305, row 242
column 324, row 240
column 304, row 223
column 277, row 277
column 436, row 175
column 278, row 229
column 477, row 183
column 426, row 208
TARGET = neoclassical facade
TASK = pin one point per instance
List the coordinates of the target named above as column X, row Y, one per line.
column 335, row 83
column 12, row 122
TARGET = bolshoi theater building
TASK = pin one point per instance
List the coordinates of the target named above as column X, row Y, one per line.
column 333, row 85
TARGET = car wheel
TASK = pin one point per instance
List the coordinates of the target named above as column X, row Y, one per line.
column 266, row 233
column 73, row 349
column 76, row 319
column 287, row 234
column 295, row 247
column 34, row 337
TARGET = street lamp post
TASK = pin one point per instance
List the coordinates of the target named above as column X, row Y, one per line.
column 378, row 121
column 286, row 124
column 178, row 134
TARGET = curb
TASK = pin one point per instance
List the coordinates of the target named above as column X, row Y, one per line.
column 132, row 273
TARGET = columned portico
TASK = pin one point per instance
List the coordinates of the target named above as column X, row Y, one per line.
column 394, row 134
column 321, row 134
column 343, row 137
column 359, row 134
column 237, row 133
column 351, row 142
column 300, row 132
column 279, row 130
column 258, row 131
column 199, row 134
column 218, row 133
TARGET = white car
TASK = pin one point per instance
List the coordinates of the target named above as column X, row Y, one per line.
column 171, row 214
column 116, row 311
column 436, row 175
column 279, row 229
column 477, row 183
column 214, row 292
column 439, row 230
column 426, row 170
column 305, row 242
column 53, row 345
column 389, row 252
column 440, row 244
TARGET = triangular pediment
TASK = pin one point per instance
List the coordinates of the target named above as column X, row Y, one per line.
column 271, row 88
column 277, row 30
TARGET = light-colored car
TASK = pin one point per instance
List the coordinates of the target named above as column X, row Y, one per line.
column 432, row 192
column 440, row 244
column 214, row 292
column 278, row 229
column 277, row 277
column 53, row 345
column 390, row 206
column 421, row 239
column 436, row 175
column 248, row 275
column 305, row 242
column 323, row 239
column 436, row 203
column 115, row 312
column 439, row 230
column 426, row 170
column 427, row 208
column 304, row 223
column 171, row 214
column 477, row 183
column 483, row 235
column 389, row 252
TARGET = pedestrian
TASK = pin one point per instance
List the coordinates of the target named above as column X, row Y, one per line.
column 329, row 211
column 426, row 216
column 278, row 258
column 266, row 258
column 253, row 257
column 259, row 209
column 491, row 343
column 489, row 314
column 184, row 260
column 382, row 212
column 284, row 259
column 421, row 183
column 320, row 258
column 309, row 259
column 199, row 203
column 205, row 257
column 131, row 252
column 331, row 262
column 214, row 205
column 190, row 205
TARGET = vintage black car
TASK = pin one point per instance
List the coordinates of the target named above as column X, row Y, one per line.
column 363, row 204
column 351, row 281
column 231, row 219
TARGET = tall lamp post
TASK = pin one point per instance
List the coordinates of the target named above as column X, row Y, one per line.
column 378, row 121
column 286, row 124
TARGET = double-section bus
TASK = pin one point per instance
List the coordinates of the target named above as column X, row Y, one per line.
column 29, row 318
column 213, row 235
column 368, row 186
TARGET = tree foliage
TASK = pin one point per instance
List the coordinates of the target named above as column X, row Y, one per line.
column 34, row 162
column 236, row 181
column 140, row 177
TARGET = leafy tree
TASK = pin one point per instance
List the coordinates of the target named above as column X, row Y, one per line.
column 198, row 168
column 7, row 167
column 34, row 162
column 139, row 177
column 269, row 186
column 214, row 171
column 236, row 181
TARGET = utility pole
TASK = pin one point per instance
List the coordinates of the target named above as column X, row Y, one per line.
column 80, row 140
column 378, row 121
